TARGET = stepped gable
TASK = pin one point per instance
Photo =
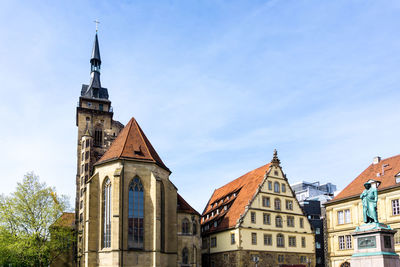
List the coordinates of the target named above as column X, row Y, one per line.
column 183, row 206
column 132, row 143
column 240, row 192
column 388, row 169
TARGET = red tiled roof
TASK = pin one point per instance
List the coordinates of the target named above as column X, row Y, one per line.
column 387, row 169
column 132, row 143
column 183, row 206
column 245, row 187
column 67, row 219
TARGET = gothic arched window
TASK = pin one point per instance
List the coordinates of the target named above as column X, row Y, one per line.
column 185, row 226
column 278, row 221
column 107, row 213
column 276, row 187
column 185, row 256
column 280, row 241
column 135, row 214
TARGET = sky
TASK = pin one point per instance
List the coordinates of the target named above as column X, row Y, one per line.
column 215, row 85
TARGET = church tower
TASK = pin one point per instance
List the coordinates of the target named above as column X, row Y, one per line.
column 96, row 132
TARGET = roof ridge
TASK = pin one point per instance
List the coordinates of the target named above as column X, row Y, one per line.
column 144, row 141
column 126, row 139
column 390, row 157
column 240, row 177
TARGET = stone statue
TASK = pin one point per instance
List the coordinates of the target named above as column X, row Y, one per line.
column 369, row 200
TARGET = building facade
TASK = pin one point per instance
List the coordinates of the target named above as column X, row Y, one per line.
column 128, row 212
column 311, row 197
column 345, row 212
column 256, row 219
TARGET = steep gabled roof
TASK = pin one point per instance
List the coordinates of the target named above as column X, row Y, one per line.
column 236, row 194
column 132, row 143
column 183, row 206
column 387, row 169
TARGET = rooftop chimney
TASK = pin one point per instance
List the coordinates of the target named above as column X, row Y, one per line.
column 376, row 160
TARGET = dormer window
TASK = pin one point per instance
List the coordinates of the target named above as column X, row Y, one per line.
column 397, row 176
column 227, row 198
column 217, row 211
column 208, row 216
column 212, row 214
column 225, row 207
column 234, row 194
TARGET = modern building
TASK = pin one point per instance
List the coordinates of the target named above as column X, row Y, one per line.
column 128, row 212
column 255, row 220
column 313, row 210
column 313, row 191
column 345, row 212
column 311, row 197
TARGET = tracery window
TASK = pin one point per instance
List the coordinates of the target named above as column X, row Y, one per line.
column 107, row 213
column 136, row 214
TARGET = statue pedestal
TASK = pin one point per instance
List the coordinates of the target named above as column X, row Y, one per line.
column 374, row 246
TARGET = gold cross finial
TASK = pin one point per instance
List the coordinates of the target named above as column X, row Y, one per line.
column 97, row 24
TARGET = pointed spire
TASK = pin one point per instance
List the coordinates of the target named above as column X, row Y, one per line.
column 95, row 62
column 95, row 52
column 275, row 160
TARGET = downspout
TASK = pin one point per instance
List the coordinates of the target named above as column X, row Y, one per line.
column 122, row 215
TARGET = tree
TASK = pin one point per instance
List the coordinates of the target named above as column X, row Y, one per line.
column 29, row 234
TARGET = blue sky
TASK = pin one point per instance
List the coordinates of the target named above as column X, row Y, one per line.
column 215, row 85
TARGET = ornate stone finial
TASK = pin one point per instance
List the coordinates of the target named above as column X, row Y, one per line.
column 275, row 160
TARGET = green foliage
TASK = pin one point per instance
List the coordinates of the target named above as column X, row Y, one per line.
column 28, row 235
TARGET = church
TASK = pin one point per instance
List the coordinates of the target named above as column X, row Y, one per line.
column 127, row 210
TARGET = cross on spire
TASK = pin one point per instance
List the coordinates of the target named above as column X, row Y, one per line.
column 97, row 24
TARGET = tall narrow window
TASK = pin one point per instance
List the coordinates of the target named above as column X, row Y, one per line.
column 194, row 228
column 162, row 220
column 107, row 214
column 347, row 217
column 395, row 207
column 280, row 242
column 277, row 203
column 278, row 221
column 135, row 214
column 340, row 217
column 276, row 187
column 185, row 227
column 185, row 256
column 98, row 137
